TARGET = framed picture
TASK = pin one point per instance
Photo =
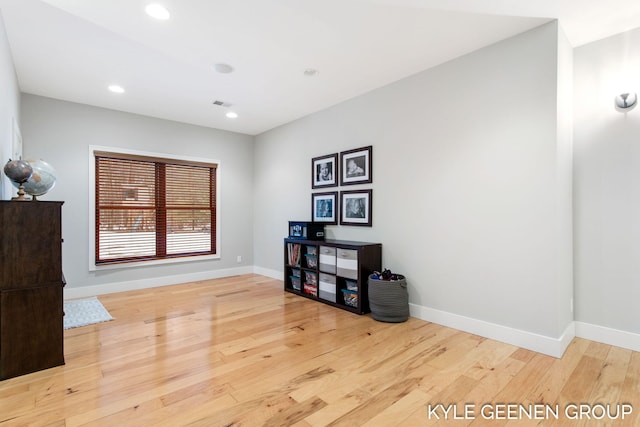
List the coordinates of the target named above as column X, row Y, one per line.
column 324, row 171
column 356, row 166
column 356, row 207
column 324, row 207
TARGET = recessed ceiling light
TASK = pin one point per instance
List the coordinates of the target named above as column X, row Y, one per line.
column 116, row 89
column 223, row 68
column 310, row 72
column 157, row 11
column 232, row 115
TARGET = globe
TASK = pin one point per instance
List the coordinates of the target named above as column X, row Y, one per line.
column 18, row 171
column 42, row 180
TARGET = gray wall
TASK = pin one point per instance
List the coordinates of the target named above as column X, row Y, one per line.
column 60, row 133
column 607, row 184
column 471, row 182
column 564, row 175
column 9, row 109
column 472, row 185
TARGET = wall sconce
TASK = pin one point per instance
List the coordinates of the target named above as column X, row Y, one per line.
column 625, row 101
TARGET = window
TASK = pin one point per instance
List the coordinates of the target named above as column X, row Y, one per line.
column 153, row 208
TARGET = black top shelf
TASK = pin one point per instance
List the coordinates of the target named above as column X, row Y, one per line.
column 330, row 242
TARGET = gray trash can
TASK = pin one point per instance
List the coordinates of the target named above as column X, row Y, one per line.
column 389, row 300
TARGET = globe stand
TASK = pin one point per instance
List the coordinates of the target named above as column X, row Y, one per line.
column 21, row 195
column 19, row 172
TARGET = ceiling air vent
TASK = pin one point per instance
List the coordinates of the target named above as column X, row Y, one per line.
column 221, row 103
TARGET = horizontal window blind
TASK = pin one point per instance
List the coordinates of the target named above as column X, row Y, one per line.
column 189, row 209
column 152, row 208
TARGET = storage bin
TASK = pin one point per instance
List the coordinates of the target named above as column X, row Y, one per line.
column 306, row 230
column 347, row 263
column 311, row 289
column 327, row 287
column 312, row 261
column 312, row 250
column 328, row 259
column 295, row 282
column 350, row 297
column 327, row 282
column 352, row 285
column 310, row 278
column 295, row 272
column 329, row 296
column 389, row 300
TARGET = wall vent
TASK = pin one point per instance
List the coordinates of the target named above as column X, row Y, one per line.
column 221, row 103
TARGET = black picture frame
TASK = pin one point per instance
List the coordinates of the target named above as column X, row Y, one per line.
column 320, row 167
column 356, row 207
column 356, row 166
column 324, row 207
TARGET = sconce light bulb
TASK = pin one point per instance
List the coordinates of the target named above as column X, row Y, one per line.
column 626, row 100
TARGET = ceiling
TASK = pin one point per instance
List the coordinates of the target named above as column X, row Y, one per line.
column 74, row 49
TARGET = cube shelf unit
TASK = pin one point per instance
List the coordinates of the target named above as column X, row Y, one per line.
column 333, row 272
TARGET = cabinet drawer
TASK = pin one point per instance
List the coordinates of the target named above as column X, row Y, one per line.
column 31, row 330
column 347, row 263
column 327, row 259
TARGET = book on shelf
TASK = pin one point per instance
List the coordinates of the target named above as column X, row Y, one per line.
column 293, row 250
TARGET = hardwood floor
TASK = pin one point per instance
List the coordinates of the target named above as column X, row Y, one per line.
column 240, row 351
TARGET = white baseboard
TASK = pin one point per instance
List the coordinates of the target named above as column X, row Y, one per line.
column 609, row 336
column 274, row 274
column 567, row 336
column 110, row 288
column 542, row 344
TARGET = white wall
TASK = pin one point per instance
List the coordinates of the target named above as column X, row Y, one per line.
column 472, row 185
column 607, row 186
column 468, row 187
column 60, row 133
column 564, row 191
column 9, row 110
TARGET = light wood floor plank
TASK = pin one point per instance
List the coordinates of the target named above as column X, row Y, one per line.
column 240, row 352
column 630, row 392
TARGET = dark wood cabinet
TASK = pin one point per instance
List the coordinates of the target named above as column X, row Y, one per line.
column 334, row 272
column 31, row 282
